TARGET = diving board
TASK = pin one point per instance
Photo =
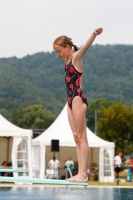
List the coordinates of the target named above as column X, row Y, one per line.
column 38, row 180
column 13, row 170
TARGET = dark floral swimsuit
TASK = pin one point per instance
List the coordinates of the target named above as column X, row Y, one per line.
column 72, row 80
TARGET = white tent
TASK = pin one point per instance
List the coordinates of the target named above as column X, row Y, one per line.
column 61, row 131
column 21, row 148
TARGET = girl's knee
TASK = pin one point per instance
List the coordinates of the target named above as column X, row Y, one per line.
column 75, row 137
column 80, row 138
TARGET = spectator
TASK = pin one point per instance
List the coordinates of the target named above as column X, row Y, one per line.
column 117, row 165
column 69, row 164
column 5, row 165
column 54, row 163
column 130, row 163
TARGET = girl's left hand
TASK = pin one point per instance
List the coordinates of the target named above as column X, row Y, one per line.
column 98, row 31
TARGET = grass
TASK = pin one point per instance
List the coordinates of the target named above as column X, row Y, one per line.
column 123, row 175
column 97, row 183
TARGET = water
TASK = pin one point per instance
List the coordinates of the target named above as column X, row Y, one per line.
column 65, row 193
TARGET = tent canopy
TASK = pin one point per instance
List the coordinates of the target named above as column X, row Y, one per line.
column 8, row 129
column 61, row 131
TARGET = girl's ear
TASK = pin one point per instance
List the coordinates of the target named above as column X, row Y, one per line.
column 68, row 47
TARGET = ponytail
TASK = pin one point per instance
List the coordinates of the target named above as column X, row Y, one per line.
column 75, row 47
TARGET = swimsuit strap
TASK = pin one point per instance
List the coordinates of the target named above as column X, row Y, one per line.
column 70, row 61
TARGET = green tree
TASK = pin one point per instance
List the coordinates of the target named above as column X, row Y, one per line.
column 38, row 79
column 32, row 117
column 95, row 106
column 116, row 125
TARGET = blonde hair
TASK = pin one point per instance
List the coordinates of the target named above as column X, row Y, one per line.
column 64, row 41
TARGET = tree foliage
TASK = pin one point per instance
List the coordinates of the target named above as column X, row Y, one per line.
column 94, row 107
column 116, row 125
column 39, row 78
column 32, row 117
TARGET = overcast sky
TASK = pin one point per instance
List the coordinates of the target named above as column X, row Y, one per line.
column 30, row 26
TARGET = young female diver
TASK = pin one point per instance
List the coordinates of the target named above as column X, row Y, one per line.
column 77, row 102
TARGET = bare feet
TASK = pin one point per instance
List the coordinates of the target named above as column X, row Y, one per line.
column 72, row 178
column 78, row 178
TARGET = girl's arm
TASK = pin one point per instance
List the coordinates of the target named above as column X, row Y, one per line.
column 81, row 52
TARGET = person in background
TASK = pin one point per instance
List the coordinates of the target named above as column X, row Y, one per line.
column 5, row 165
column 54, row 163
column 69, row 164
column 130, row 163
column 117, row 165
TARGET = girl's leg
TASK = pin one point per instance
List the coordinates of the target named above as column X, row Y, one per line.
column 73, row 128
column 78, row 113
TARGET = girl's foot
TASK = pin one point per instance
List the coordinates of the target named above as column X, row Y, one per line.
column 78, row 178
column 72, row 178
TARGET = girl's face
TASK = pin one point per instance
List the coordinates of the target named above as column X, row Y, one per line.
column 62, row 52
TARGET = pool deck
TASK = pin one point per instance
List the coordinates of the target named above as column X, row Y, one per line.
column 45, row 185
